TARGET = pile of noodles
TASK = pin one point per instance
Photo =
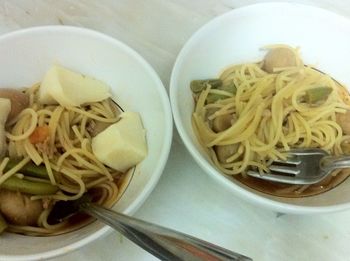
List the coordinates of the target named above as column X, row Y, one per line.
column 66, row 154
column 271, row 116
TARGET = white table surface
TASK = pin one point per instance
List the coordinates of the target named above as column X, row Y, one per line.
column 186, row 199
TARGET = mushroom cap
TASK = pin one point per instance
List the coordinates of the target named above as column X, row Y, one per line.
column 279, row 58
column 19, row 209
column 19, row 100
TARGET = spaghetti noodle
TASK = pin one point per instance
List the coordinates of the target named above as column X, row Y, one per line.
column 249, row 117
column 65, row 153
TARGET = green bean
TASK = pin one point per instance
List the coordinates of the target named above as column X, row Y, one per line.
column 199, row 85
column 230, row 87
column 3, row 224
column 29, row 169
column 213, row 97
column 30, row 187
column 317, row 94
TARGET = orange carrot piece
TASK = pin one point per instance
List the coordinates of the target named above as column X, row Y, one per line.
column 40, row 134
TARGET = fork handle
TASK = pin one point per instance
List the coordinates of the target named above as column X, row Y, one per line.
column 329, row 163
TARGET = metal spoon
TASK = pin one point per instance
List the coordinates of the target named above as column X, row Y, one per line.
column 164, row 243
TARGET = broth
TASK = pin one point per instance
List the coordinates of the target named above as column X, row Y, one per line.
column 293, row 191
column 79, row 220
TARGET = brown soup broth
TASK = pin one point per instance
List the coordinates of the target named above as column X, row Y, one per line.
column 293, row 191
column 79, row 220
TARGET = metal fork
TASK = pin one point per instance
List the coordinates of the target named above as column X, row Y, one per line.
column 303, row 166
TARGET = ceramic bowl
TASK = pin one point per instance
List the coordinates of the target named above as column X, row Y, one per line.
column 25, row 57
column 237, row 37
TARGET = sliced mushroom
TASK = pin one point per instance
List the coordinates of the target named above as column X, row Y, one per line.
column 279, row 58
column 19, row 101
column 343, row 119
column 223, row 122
column 345, row 145
column 19, row 209
column 95, row 127
column 223, row 152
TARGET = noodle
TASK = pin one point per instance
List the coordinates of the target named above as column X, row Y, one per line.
column 21, row 132
column 14, row 170
column 66, row 155
column 267, row 114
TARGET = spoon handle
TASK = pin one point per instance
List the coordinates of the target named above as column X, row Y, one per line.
column 166, row 244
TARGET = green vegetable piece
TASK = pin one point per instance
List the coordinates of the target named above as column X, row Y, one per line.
column 317, row 94
column 230, row 87
column 3, row 224
column 199, row 85
column 30, row 187
column 29, row 169
column 213, row 97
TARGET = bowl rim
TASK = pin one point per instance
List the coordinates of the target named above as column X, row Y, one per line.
column 204, row 164
column 165, row 147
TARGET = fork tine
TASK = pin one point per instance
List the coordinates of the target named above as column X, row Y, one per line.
column 297, row 152
column 289, row 160
column 255, row 174
column 284, row 169
column 273, row 177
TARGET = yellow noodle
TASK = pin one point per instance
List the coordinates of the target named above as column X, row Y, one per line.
column 32, row 152
column 98, row 109
column 25, row 132
column 49, row 169
column 44, row 223
column 77, row 133
column 99, row 168
column 14, row 170
column 92, row 116
column 83, row 125
column 3, row 164
column 96, row 182
column 270, row 115
column 66, row 155
column 55, row 117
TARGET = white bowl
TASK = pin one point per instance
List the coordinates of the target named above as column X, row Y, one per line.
column 25, row 57
column 236, row 37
